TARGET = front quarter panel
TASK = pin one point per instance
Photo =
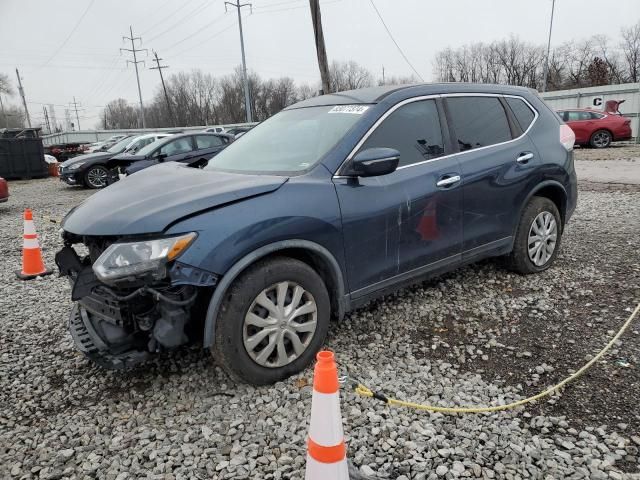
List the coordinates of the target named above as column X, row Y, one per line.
column 304, row 208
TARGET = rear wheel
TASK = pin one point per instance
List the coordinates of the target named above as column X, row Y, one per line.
column 272, row 322
column 537, row 238
column 96, row 177
column 600, row 139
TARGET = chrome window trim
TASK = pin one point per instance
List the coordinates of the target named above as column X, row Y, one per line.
column 431, row 97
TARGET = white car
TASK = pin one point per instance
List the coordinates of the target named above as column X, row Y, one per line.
column 93, row 147
column 215, row 130
column 142, row 141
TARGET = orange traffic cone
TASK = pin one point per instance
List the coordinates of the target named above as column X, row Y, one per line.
column 32, row 264
column 326, row 451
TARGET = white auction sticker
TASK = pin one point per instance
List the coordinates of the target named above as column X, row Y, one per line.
column 355, row 109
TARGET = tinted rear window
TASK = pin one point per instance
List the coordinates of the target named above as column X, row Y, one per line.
column 523, row 113
column 478, row 121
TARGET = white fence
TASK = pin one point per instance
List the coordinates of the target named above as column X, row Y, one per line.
column 90, row 136
column 595, row 97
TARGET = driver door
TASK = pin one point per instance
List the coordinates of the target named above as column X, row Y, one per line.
column 409, row 222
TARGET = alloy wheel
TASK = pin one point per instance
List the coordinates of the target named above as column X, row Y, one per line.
column 601, row 139
column 280, row 324
column 97, row 177
column 543, row 236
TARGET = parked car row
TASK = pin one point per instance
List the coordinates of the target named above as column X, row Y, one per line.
column 134, row 153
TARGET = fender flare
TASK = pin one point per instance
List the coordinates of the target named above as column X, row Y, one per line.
column 537, row 188
column 238, row 267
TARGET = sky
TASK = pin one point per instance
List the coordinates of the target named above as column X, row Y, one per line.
column 57, row 61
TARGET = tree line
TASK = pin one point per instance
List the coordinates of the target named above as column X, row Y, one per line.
column 199, row 98
column 576, row 64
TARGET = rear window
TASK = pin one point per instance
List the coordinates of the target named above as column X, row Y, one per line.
column 478, row 121
column 523, row 113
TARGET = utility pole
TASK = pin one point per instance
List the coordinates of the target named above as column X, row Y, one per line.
column 46, row 119
column 75, row 107
column 546, row 61
column 247, row 98
column 166, row 96
column 320, row 48
column 24, row 101
column 383, row 82
column 4, row 114
column 135, row 62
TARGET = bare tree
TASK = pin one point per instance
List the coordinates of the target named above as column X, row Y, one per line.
column 630, row 47
column 348, row 76
column 119, row 114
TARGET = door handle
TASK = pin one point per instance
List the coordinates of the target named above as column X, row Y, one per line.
column 448, row 181
column 524, row 157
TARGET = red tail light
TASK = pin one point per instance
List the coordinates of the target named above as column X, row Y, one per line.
column 567, row 137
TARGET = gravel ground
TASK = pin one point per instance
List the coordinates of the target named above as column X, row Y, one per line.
column 479, row 335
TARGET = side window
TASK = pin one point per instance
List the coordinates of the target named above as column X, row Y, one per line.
column 596, row 116
column 523, row 113
column 478, row 121
column 207, row 141
column 562, row 114
column 180, row 145
column 577, row 115
column 413, row 130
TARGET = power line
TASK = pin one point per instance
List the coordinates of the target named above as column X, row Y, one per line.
column 197, row 31
column 394, row 41
column 73, row 30
column 206, row 39
column 186, row 17
column 171, row 15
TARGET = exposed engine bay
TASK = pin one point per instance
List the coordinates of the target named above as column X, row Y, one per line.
column 119, row 325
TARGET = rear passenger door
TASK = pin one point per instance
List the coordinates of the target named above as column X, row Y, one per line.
column 581, row 123
column 497, row 160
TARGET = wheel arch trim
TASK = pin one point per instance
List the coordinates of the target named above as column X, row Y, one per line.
column 532, row 193
column 237, row 268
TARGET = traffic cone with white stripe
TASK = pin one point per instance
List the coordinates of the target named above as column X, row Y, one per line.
column 32, row 264
column 326, row 450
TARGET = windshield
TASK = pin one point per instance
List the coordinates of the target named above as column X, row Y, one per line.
column 120, row 146
column 290, row 141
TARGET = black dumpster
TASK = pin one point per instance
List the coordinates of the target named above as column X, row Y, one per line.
column 22, row 154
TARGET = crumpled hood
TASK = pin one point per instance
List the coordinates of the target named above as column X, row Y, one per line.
column 87, row 157
column 150, row 200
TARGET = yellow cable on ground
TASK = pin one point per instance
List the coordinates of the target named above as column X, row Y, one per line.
column 366, row 392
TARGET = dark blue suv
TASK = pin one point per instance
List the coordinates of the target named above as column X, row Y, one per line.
column 326, row 205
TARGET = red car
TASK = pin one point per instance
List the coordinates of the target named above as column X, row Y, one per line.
column 4, row 190
column 596, row 128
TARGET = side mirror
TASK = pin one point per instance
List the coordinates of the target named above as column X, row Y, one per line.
column 161, row 156
column 373, row 162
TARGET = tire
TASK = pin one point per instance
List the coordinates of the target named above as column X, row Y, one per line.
column 600, row 139
column 520, row 260
column 97, row 177
column 236, row 342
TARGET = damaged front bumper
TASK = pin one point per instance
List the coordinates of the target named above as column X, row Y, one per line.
column 118, row 326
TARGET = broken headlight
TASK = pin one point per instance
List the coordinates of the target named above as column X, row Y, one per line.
column 137, row 258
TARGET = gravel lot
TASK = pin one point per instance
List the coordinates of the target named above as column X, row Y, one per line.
column 476, row 336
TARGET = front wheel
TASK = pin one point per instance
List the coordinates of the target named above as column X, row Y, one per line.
column 600, row 139
column 96, row 177
column 537, row 238
column 272, row 321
